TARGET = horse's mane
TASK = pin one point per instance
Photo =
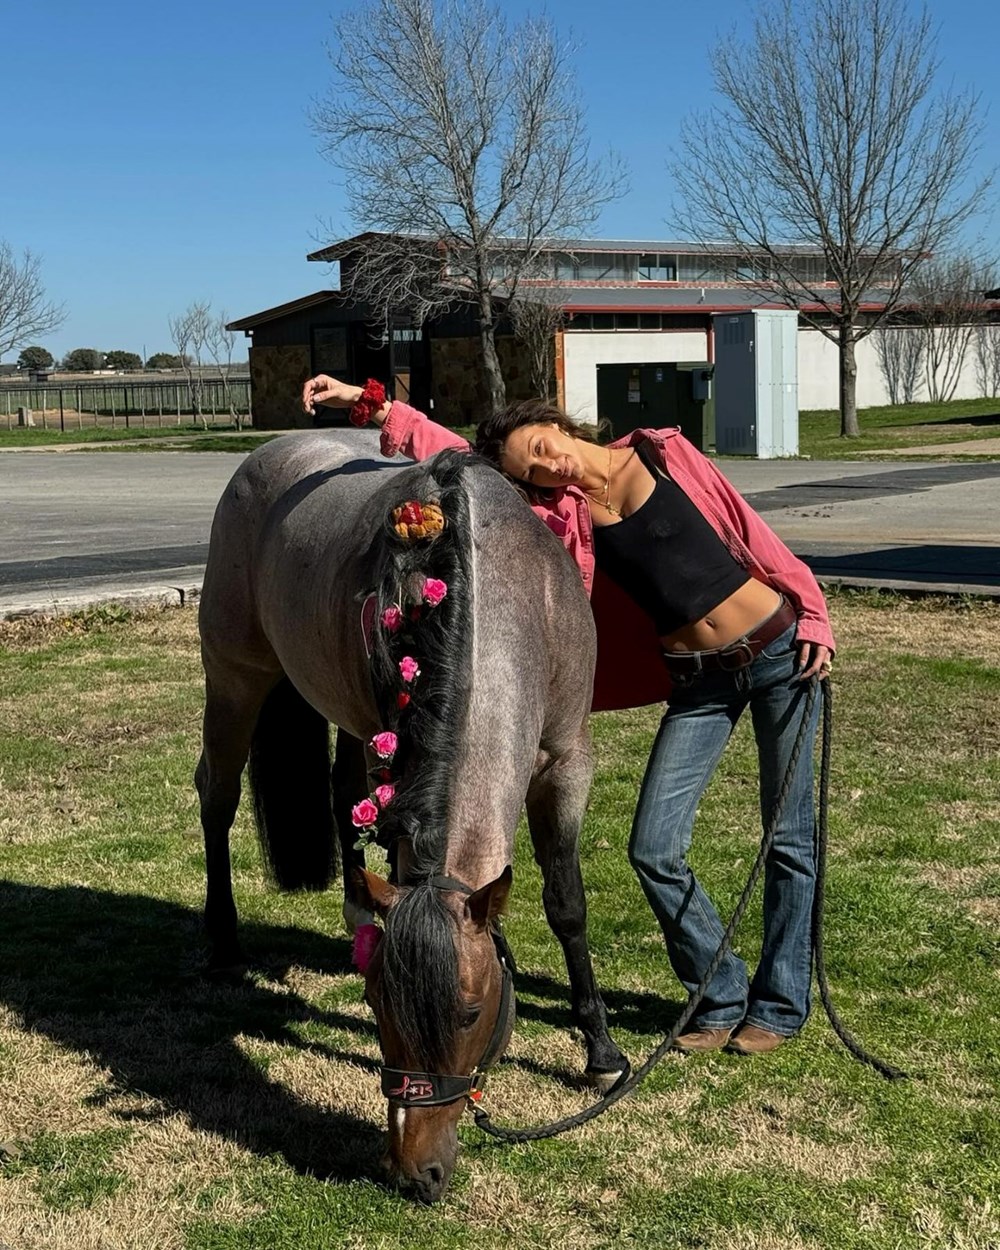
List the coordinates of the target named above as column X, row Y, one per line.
column 420, row 965
column 429, row 730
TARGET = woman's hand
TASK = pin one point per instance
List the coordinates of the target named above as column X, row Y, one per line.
column 323, row 389
column 815, row 660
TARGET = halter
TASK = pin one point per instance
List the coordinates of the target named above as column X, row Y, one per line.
column 404, row 1088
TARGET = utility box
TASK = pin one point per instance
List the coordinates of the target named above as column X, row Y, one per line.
column 657, row 395
column 756, row 383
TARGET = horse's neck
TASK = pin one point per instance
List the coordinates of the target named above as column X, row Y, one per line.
column 500, row 740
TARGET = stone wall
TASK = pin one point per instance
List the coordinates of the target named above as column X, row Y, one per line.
column 276, row 376
column 457, row 380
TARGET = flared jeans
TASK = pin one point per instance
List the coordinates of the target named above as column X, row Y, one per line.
column 698, row 723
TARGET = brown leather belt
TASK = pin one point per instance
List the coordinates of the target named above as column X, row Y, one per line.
column 737, row 654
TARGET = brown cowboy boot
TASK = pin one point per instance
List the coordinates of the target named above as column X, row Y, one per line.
column 699, row 1040
column 750, row 1040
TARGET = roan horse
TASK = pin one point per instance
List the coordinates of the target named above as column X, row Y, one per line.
column 495, row 718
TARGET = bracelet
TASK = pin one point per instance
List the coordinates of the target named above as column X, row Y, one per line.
column 369, row 402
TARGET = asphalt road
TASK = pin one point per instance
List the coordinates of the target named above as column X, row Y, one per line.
column 80, row 526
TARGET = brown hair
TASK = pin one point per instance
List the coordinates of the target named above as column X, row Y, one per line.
column 492, row 434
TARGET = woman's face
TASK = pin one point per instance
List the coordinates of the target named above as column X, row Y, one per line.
column 542, row 455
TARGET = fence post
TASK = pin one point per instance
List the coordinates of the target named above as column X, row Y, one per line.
column 125, row 392
column 62, row 413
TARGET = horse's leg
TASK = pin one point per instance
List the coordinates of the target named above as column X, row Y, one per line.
column 231, row 709
column 349, row 779
column 556, row 801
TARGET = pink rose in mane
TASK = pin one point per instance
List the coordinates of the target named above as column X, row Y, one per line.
column 384, row 745
column 385, row 795
column 409, row 668
column 366, row 939
column 392, row 619
column 364, row 814
column 434, row 591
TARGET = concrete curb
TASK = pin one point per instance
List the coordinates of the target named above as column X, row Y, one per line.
column 138, row 597
column 180, row 596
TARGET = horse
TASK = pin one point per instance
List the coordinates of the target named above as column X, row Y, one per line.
column 461, row 648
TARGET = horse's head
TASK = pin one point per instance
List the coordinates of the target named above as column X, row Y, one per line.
column 441, row 988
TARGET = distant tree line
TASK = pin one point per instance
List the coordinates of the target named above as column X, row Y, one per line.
column 89, row 360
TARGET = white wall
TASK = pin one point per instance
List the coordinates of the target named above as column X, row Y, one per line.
column 586, row 349
column 818, row 374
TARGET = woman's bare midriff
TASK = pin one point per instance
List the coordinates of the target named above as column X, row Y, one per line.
column 752, row 603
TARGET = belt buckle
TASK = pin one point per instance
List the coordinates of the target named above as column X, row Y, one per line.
column 741, row 653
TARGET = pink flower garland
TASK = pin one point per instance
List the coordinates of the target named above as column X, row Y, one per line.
column 364, row 815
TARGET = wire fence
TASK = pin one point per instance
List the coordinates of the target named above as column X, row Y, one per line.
column 113, row 403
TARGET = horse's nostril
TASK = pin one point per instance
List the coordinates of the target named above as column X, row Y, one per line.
column 431, row 1182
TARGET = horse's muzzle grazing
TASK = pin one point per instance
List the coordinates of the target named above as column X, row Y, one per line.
column 423, row 1174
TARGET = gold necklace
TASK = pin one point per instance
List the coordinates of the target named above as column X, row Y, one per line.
column 606, row 501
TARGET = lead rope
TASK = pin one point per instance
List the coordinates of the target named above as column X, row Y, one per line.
column 626, row 1086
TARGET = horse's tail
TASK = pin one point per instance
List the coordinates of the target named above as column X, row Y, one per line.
column 289, row 771
column 438, row 636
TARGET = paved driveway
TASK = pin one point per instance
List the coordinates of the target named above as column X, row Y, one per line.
column 82, row 525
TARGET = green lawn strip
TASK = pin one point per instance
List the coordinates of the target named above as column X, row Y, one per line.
column 893, row 427
column 72, row 1170
column 134, row 432
column 100, row 923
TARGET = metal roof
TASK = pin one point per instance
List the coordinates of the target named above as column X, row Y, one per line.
column 283, row 310
column 336, row 250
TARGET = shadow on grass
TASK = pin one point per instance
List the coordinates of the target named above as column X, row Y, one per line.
column 113, row 975
column 987, row 419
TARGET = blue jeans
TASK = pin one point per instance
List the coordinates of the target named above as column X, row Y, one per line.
column 698, row 723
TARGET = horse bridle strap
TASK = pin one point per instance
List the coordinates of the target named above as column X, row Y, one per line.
column 435, row 1089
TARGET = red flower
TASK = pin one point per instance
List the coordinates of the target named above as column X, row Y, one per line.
column 364, row 814
column 392, row 619
column 385, row 795
column 384, row 745
column 408, row 668
column 434, row 591
column 412, row 513
column 402, row 699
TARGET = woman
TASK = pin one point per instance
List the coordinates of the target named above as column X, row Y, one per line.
column 691, row 586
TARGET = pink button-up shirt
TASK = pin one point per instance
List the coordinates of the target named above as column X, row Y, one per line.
column 630, row 672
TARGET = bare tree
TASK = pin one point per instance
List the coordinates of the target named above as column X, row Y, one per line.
column 536, row 315
column 945, row 298
column 462, row 144
column 987, row 349
column 900, row 351
column 829, row 135
column 25, row 313
column 190, row 333
column 221, row 343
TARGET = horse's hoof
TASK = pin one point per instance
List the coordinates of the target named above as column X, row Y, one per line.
column 604, row 1082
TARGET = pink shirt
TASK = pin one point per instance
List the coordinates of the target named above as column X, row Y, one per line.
column 630, row 672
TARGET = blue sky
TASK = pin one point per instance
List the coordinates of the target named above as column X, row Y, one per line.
column 158, row 154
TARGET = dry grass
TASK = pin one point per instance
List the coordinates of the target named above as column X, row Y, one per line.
column 259, row 1101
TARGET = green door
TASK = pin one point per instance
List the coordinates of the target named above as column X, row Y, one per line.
column 631, row 397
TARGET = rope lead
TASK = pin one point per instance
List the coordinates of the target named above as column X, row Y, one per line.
column 627, row 1084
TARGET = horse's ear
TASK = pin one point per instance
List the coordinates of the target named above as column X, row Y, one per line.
column 488, row 903
column 377, row 891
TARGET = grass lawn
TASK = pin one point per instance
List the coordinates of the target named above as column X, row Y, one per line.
column 145, row 1108
column 895, row 427
column 119, row 435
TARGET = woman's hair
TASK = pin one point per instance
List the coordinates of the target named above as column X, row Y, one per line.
column 492, row 434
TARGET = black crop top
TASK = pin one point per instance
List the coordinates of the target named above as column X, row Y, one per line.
column 667, row 557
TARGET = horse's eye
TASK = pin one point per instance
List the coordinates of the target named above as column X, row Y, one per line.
column 470, row 1016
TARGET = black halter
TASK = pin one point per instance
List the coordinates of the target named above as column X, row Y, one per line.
column 434, row 1089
